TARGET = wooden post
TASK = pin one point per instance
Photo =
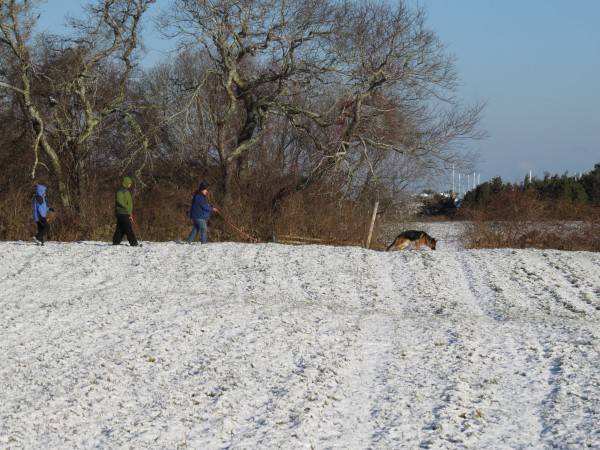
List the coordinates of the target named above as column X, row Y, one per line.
column 372, row 223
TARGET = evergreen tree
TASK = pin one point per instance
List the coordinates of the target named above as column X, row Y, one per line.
column 591, row 184
column 583, row 189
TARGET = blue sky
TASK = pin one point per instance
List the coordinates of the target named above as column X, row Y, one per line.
column 536, row 64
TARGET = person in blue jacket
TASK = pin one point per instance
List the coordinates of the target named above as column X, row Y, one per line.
column 200, row 212
column 40, row 214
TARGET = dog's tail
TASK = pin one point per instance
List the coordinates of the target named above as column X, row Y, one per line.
column 390, row 246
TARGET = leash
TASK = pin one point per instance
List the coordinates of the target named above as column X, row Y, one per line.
column 239, row 230
column 235, row 227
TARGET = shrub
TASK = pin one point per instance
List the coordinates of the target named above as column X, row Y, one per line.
column 520, row 219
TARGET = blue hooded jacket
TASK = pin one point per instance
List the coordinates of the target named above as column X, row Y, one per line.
column 40, row 206
column 200, row 208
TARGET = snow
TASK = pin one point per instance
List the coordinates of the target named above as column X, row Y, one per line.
column 272, row 346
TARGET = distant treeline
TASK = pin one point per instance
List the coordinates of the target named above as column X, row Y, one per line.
column 581, row 189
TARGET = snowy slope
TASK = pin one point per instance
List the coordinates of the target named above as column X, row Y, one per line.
column 270, row 346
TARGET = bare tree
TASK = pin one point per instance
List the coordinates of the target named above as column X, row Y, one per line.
column 352, row 78
column 257, row 49
column 71, row 87
column 183, row 122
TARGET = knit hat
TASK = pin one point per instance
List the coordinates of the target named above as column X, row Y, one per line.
column 127, row 182
column 203, row 185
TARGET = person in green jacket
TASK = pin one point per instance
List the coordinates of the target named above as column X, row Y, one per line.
column 123, row 211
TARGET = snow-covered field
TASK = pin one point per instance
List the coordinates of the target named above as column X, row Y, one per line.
column 272, row 346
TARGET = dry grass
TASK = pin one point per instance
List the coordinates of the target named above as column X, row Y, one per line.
column 337, row 223
column 516, row 220
column 521, row 220
column 584, row 235
column 161, row 214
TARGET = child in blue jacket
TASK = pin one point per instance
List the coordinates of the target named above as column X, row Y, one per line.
column 40, row 214
column 200, row 213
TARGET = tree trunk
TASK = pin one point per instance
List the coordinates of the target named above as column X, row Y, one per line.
column 37, row 125
column 229, row 171
column 63, row 186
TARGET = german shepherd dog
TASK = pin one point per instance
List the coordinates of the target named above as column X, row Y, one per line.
column 405, row 238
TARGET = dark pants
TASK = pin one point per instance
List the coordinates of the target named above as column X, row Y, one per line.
column 43, row 227
column 124, row 228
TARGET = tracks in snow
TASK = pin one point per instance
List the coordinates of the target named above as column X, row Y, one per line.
column 551, row 318
column 272, row 346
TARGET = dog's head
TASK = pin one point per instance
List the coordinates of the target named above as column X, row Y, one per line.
column 431, row 242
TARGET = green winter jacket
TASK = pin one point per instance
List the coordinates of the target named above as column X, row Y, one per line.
column 124, row 202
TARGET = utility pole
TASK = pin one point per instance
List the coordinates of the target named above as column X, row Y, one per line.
column 452, row 192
